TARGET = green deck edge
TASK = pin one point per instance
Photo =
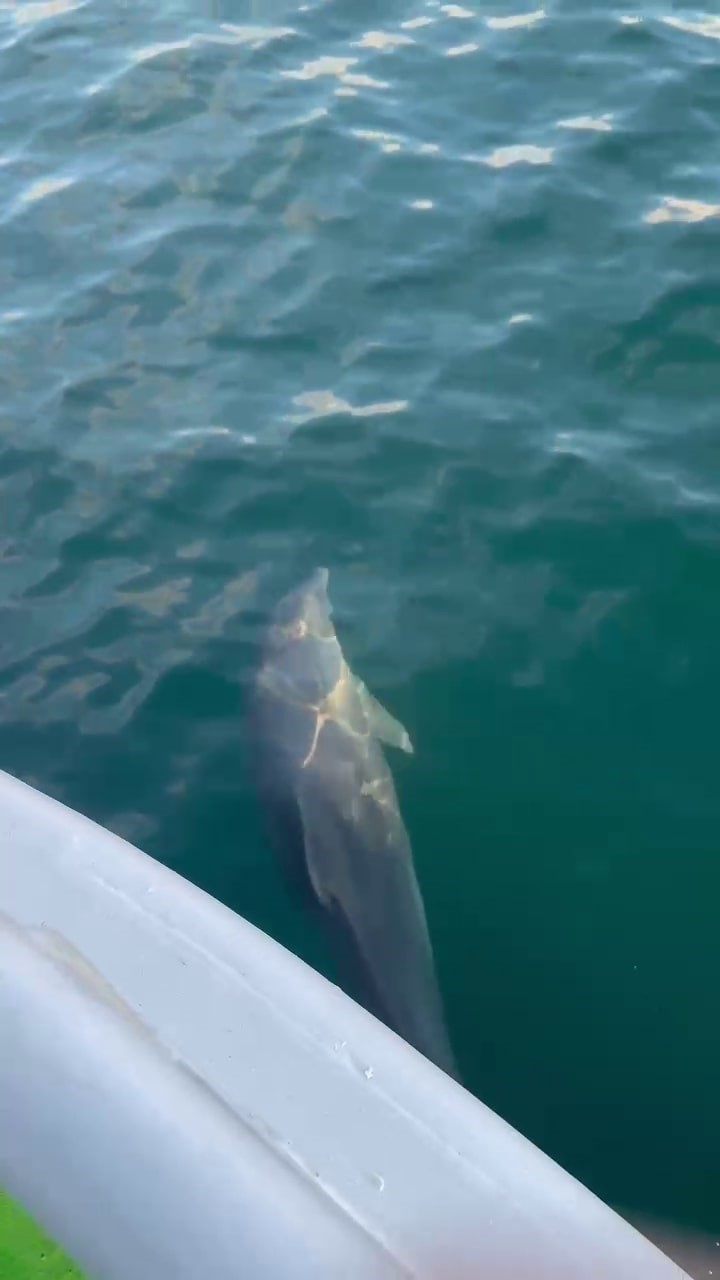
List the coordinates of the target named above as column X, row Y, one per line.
column 26, row 1253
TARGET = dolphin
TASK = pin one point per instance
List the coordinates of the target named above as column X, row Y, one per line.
column 333, row 810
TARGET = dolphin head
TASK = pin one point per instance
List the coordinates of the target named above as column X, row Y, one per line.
column 302, row 660
column 306, row 611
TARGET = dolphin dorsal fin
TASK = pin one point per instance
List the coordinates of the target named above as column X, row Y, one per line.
column 380, row 722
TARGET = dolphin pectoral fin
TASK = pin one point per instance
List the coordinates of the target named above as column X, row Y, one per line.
column 381, row 723
column 339, row 864
column 317, row 862
column 336, row 842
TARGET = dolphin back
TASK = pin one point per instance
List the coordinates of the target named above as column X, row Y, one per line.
column 360, row 865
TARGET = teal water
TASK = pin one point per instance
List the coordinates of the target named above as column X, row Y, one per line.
column 429, row 294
